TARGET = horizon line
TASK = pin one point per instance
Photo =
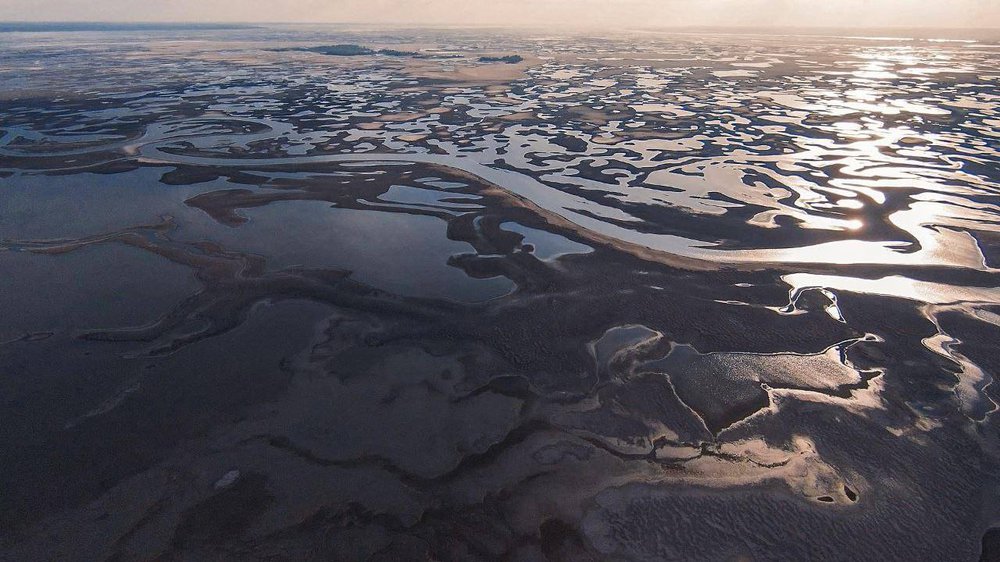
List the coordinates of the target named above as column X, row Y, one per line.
column 482, row 25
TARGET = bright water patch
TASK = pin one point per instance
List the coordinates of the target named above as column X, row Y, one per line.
column 547, row 246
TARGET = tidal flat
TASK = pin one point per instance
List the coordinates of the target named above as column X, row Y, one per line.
column 344, row 293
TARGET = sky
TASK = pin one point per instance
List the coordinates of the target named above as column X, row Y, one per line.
column 555, row 13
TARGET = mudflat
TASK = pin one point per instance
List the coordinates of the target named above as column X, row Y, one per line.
column 321, row 293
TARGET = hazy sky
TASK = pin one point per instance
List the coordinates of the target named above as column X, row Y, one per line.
column 868, row 13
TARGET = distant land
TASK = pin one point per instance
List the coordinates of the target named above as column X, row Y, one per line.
column 39, row 27
column 977, row 34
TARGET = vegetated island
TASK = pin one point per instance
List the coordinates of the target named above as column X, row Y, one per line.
column 351, row 50
column 344, row 50
column 509, row 59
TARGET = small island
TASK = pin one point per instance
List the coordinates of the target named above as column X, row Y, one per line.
column 397, row 53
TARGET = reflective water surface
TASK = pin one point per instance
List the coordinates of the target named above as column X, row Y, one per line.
column 657, row 296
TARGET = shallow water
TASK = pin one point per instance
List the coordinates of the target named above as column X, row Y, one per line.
column 663, row 296
column 400, row 253
column 546, row 245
